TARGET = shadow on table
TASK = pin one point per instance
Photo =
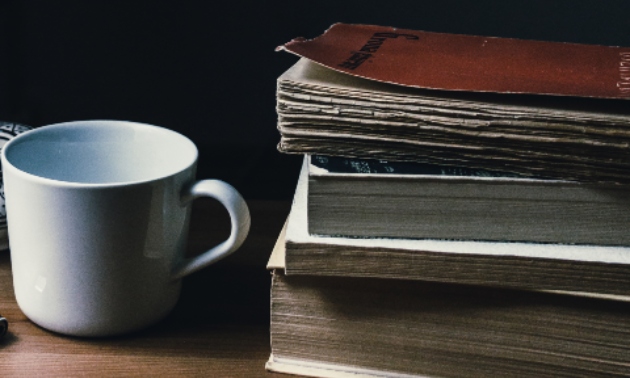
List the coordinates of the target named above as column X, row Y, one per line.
column 8, row 339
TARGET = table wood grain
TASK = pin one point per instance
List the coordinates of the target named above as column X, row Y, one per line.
column 219, row 328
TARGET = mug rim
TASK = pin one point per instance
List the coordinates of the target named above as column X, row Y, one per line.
column 8, row 165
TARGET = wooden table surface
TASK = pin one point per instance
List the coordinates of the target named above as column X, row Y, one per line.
column 219, row 328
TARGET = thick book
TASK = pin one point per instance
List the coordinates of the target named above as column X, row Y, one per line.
column 370, row 327
column 372, row 198
column 543, row 266
column 554, row 114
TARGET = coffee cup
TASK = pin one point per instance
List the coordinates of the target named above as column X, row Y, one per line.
column 98, row 215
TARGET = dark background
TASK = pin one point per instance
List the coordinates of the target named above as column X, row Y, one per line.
column 208, row 69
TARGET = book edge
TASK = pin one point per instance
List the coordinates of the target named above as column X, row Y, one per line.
column 297, row 233
column 323, row 173
column 277, row 258
column 279, row 264
column 326, row 370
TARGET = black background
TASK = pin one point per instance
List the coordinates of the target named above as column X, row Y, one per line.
column 208, row 69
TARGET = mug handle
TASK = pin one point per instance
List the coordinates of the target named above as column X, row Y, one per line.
column 239, row 217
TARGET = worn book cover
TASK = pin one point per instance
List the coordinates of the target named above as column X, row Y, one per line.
column 470, row 63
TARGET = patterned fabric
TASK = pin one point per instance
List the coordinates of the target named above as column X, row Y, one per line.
column 8, row 130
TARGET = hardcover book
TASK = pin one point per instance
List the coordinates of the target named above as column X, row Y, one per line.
column 538, row 109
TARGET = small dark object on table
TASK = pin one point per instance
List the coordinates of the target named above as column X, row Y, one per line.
column 4, row 325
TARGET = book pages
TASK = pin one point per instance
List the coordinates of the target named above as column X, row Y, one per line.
column 322, row 111
column 540, row 266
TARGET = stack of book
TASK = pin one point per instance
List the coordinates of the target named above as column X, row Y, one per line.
column 440, row 231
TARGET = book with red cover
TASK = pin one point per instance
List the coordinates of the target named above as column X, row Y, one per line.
column 534, row 108
column 470, row 63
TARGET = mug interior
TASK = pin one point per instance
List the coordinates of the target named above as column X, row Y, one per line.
column 101, row 152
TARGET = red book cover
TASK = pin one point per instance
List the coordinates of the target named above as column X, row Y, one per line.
column 470, row 63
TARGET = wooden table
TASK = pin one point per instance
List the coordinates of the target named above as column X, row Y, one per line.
column 220, row 327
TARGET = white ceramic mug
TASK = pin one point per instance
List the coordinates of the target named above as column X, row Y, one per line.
column 98, row 216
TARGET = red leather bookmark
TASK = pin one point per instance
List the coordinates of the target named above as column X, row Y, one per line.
column 470, row 63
